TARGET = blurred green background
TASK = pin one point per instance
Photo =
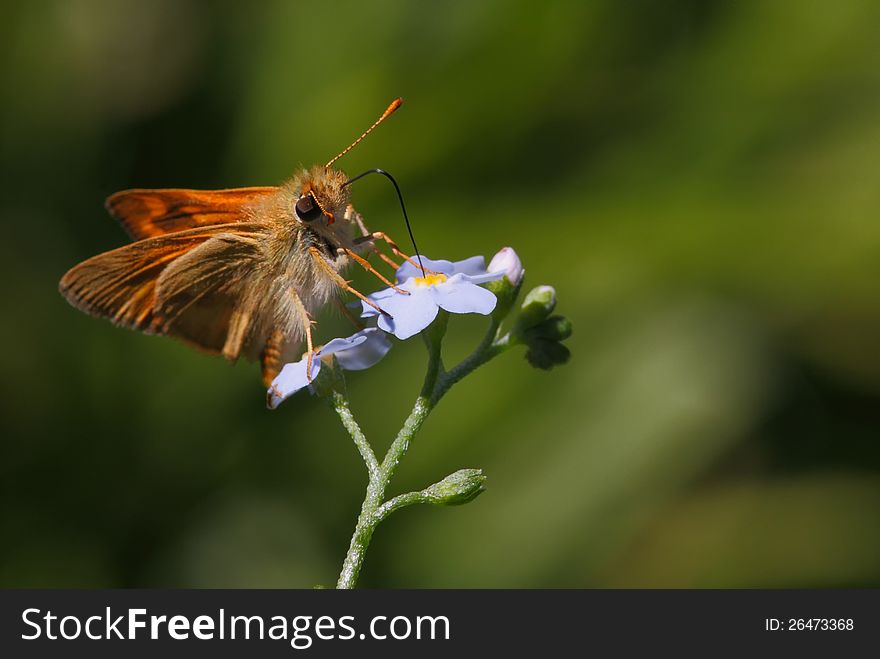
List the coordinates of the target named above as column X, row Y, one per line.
column 698, row 180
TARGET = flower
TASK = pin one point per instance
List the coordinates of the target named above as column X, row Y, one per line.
column 450, row 286
column 508, row 262
column 354, row 353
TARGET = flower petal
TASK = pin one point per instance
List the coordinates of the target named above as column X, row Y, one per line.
column 365, row 353
column 291, row 379
column 387, row 299
column 474, row 266
column 474, row 270
column 460, row 296
column 484, row 277
column 377, row 297
column 410, row 314
column 408, row 270
column 341, row 345
column 390, row 300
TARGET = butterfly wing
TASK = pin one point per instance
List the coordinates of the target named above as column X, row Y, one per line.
column 189, row 284
column 206, row 297
column 150, row 213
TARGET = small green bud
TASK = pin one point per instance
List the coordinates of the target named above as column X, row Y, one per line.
column 545, row 354
column 460, row 487
column 541, row 332
column 539, row 303
column 555, row 328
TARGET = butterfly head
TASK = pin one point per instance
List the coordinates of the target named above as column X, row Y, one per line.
column 321, row 190
column 321, row 196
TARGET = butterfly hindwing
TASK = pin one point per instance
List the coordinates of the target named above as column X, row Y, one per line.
column 186, row 284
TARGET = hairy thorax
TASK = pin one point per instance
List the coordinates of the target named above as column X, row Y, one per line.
column 292, row 247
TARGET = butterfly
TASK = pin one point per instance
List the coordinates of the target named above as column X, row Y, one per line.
column 236, row 272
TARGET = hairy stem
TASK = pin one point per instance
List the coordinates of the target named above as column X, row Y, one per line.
column 437, row 382
column 398, row 502
column 491, row 346
column 370, row 514
column 340, row 404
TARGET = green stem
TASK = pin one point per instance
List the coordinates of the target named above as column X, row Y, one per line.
column 491, row 346
column 363, row 533
column 398, row 502
column 421, row 409
column 437, row 383
column 370, row 516
column 340, row 404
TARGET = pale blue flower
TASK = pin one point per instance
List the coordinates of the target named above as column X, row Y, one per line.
column 354, row 353
column 454, row 287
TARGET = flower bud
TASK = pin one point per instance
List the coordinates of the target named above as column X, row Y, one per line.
column 506, row 288
column 460, row 487
column 507, row 261
column 545, row 354
column 539, row 304
column 554, row 328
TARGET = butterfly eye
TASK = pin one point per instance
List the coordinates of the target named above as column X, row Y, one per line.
column 307, row 209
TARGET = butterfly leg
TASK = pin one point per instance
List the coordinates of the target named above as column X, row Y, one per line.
column 387, row 259
column 353, row 216
column 366, row 266
column 340, row 281
column 348, row 314
column 381, row 235
column 307, row 329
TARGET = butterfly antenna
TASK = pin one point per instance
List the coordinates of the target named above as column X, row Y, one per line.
column 399, row 196
column 396, row 103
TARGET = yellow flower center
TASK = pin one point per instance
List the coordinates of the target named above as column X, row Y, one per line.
column 431, row 280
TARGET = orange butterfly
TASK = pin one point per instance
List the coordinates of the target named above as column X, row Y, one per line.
column 232, row 272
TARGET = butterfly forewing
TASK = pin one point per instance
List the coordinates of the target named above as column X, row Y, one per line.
column 150, row 213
